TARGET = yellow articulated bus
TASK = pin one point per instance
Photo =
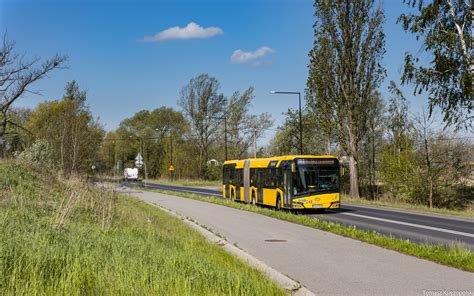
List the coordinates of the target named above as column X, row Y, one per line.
column 290, row 182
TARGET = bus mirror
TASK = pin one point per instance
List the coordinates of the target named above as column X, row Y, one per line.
column 343, row 171
column 292, row 167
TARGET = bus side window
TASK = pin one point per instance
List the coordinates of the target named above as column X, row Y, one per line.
column 269, row 178
column 279, row 177
column 231, row 176
column 265, row 178
column 260, row 180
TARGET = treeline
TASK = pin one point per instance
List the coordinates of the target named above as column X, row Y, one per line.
column 196, row 141
column 387, row 151
column 402, row 156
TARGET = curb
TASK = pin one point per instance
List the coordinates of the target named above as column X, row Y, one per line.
column 289, row 285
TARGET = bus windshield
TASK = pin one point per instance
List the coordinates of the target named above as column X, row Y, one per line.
column 313, row 179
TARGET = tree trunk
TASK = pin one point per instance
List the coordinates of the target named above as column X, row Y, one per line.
column 354, row 177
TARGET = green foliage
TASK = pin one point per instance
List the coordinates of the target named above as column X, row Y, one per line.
column 148, row 132
column 214, row 172
column 398, row 174
column 15, row 137
column 371, row 146
column 73, row 134
column 445, row 27
column 203, row 105
column 286, row 140
column 345, row 69
column 39, row 154
column 398, row 124
column 106, row 244
column 408, row 171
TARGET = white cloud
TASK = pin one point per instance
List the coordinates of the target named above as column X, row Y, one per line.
column 239, row 56
column 191, row 31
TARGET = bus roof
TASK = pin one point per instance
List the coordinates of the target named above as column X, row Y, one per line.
column 263, row 162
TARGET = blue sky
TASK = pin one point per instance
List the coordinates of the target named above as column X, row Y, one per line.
column 123, row 74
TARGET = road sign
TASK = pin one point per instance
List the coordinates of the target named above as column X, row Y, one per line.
column 171, row 168
column 139, row 160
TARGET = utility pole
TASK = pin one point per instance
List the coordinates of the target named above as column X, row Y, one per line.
column 171, row 147
column 171, row 154
column 225, row 136
column 300, row 113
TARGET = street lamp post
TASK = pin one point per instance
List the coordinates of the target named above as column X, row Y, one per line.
column 171, row 147
column 300, row 123
column 225, row 136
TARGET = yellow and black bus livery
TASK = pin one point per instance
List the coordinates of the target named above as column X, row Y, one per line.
column 291, row 182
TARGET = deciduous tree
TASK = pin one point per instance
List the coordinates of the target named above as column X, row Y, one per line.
column 68, row 125
column 16, row 77
column 446, row 29
column 344, row 71
column 244, row 128
column 203, row 105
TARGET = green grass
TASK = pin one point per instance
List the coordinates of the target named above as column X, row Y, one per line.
column 64, row 237
column 457, row 256
column 469, row 212
column 186, row 182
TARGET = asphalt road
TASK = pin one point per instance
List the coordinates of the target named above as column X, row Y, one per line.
column 420, row 228
column 325, row 263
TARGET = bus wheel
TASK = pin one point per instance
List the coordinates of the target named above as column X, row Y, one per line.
column 278, row 203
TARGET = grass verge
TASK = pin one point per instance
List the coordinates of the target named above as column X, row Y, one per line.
column 186, row 182
column 469, row 212
column 456, row 256
column 64, row 237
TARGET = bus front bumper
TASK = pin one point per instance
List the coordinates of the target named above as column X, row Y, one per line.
column 323, row 201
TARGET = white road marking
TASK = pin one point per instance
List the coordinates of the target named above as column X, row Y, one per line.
column 413, row 225
column 379, row 219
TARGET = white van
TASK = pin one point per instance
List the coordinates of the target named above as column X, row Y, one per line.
column 130, row 174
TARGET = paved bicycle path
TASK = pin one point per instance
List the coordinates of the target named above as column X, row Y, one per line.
column 325, row 263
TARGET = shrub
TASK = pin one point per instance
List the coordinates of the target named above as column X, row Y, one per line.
column 38, row 154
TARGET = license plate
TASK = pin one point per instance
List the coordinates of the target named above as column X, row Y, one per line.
column 317, row 206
